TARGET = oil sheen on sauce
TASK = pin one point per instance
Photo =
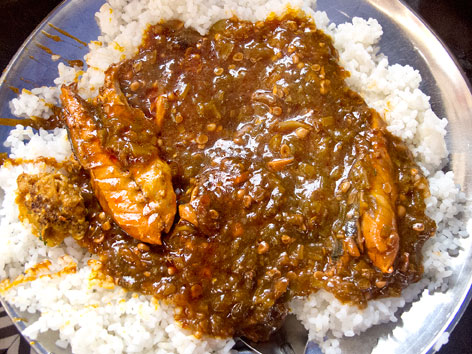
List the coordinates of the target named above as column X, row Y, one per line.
column 274, row 163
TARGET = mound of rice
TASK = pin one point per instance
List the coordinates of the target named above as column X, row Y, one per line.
column 91, row 317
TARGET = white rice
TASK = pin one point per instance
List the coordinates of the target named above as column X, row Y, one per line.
column 91, row 318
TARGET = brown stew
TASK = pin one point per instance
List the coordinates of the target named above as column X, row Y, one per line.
column 286, row 181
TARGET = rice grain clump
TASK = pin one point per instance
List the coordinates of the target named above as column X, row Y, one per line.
column 91, row 314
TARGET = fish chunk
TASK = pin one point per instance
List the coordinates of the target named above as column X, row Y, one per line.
column 378, row 220
column 140, row 199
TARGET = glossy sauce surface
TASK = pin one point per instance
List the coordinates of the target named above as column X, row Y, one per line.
column 274, row 162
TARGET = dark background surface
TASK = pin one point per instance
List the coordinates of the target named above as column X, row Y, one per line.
column 450, row 19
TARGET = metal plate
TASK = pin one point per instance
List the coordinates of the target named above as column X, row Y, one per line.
column 406, row 40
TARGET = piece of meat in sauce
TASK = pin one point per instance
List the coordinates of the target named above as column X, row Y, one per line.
column 378, row 219
column 138, row 194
